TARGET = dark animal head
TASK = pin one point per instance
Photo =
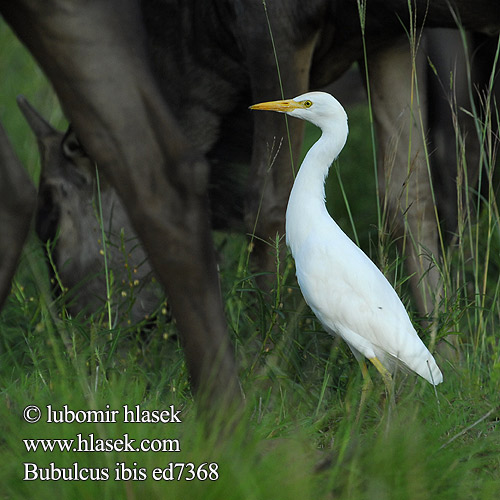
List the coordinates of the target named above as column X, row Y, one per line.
column 68, row 214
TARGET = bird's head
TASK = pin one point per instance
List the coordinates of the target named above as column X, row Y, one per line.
column 319, row 108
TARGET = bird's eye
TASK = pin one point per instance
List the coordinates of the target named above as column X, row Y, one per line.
column 307, row 104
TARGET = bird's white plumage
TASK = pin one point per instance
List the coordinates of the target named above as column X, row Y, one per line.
column 343, row 287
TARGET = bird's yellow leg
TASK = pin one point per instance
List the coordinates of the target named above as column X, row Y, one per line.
column 381, row 369
column 367, row 387
column 386, row 377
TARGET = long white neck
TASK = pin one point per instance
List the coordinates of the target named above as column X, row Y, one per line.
column 306, row 205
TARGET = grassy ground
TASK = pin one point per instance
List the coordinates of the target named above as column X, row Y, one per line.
column 300, row 437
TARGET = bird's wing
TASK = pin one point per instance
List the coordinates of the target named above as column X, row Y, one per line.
column 352, row 297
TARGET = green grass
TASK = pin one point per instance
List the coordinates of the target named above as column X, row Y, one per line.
column 299, row 437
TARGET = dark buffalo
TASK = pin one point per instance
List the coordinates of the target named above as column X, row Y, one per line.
column 122, row 75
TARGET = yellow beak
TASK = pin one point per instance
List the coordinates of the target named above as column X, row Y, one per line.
column 281, row 106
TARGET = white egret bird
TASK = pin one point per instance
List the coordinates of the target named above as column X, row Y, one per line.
column 342, row 286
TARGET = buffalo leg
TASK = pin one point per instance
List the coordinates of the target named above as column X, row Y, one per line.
column 17, row 204
column 274, row 160
column 404, row 180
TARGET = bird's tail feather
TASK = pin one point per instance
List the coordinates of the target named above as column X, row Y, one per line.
column 422, row 363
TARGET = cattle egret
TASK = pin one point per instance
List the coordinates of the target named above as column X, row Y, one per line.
column 342, row 286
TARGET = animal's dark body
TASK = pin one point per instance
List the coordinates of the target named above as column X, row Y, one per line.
column 151, row 93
